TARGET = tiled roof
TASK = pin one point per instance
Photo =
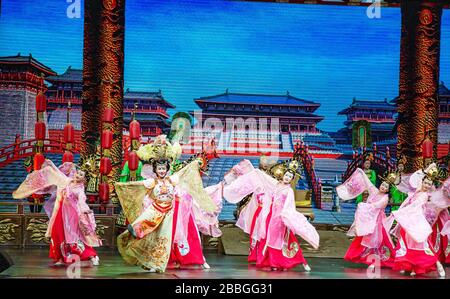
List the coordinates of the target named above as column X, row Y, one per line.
column 367, row 104
column 131, row 95
column 265, row 114
column 19, row 59
column 70, row 75
column 260, row 99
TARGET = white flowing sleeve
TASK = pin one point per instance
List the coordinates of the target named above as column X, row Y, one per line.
column 297, row 222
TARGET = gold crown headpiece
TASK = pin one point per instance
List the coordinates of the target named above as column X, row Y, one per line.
column 278, row 170
column 389, row 177
column 159, row 150
column 432, row 172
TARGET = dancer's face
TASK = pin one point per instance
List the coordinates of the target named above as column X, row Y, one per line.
column 161, row 170
column 288, row 177
column 426, row 184
column 367, row 164
column 400, row 167
column 384, row 187
column 79, row 177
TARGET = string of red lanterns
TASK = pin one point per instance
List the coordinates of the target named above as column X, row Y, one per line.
column 135, row 135
column 39, row 130
column 105, row 160
column 69, row 137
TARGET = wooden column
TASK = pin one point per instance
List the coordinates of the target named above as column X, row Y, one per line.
column 103, row 76
column 419, row 78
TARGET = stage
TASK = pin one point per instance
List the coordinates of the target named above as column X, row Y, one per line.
column 33, row 263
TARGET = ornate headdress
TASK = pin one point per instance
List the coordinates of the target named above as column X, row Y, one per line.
column 278, row 170
column 433, row 173
column 368, row 157
column 401, row 160
column 159, row 150
column 389, row 177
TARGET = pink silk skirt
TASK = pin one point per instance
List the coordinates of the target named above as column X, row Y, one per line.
column 358, row 253
column 281, row 259
column 59, row 249
column 413, row 260
column 190, row 253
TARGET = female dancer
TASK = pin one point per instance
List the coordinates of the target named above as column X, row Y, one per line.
column 271, row 218
column 372, row 235
column 72, row 227
column 413, row 252
column 371, row 174
column 398, row 197
column 162, row 229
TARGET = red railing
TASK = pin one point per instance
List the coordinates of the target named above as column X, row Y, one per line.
column 382, row 161
column 25, row 148
column 301, row 152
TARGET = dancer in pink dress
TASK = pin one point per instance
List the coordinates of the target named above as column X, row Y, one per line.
column 413, row 251
column 72, row 227
column 370, row 229
column 271, row 218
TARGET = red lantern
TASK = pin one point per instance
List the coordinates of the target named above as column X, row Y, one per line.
column 103, row 192
column 135, row 130
column 133, row 161
column 427, row 148
column 38, row 160
column 67, row 157
column 41, row 103
column 69, row 133
column 108, row 115
column 105, row 165
column 39, row 130
column 107, row 137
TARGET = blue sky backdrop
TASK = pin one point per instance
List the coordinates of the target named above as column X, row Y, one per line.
column 195, row 48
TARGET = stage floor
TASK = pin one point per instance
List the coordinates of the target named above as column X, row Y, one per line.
column 33, row 263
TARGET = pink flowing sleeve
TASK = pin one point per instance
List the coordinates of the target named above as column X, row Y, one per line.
column 356, row 184
column 440, row 197
column 413, row 221
column 184, row 212
column 446, row 229
column 297, row 222
column 247, row 214
column 208, row 222
column 404, row 185
column 367, row 214
column 41, row 181
column 243, row 167
column 240, row 187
